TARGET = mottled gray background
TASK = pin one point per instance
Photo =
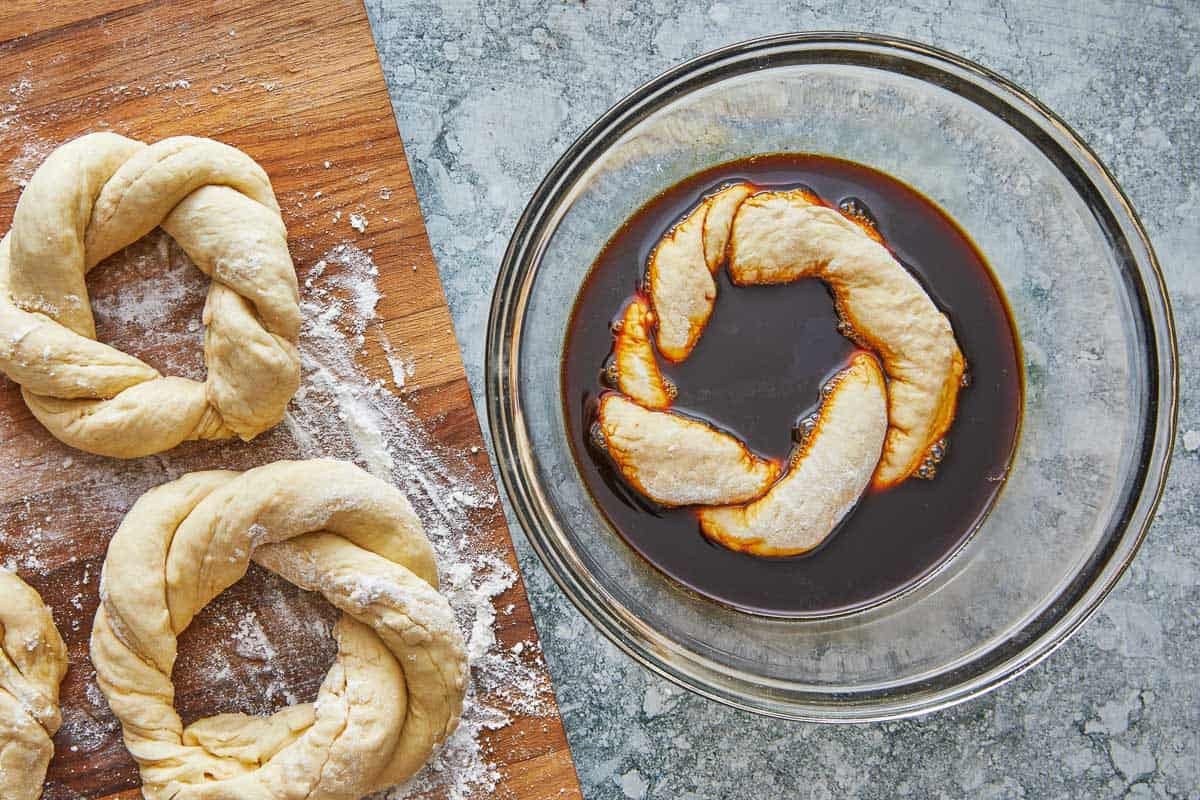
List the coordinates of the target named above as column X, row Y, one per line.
column 488, row 94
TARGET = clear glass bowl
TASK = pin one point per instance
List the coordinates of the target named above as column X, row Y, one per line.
column 1088, row 301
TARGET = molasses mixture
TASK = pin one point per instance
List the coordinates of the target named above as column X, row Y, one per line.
column 757, row 371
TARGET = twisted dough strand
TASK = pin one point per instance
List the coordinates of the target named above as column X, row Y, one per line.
column 33, row 660
column 395, row 690
column 99, row 193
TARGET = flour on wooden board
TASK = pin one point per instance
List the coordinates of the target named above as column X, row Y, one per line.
column 32, row 154
column 149, row 297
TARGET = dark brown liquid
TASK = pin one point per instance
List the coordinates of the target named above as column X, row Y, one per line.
column 757, row 371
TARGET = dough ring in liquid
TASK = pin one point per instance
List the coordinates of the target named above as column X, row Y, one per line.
column 866, row 432
column 33, row 660
column 395, row 690
column 90, row 198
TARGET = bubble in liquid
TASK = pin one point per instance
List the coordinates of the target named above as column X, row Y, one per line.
column 854, row 207
column 848, row 330
column 610, row 375
column 671, row 389
column 937, row 452
column 596, row 434
column 616, row 325
column 804, row 429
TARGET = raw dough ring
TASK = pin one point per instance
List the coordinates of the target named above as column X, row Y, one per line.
column 102, row 192
column 395, row 690
column 33, row 660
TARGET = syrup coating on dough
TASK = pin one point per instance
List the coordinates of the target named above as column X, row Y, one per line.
column 679, row 461
column 826, row 475
column 680, row 275
column 681, row 287
column 719, row 219
column 782, row 236
column 634, row 368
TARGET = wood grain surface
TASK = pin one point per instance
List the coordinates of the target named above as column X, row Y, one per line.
column 297, row 85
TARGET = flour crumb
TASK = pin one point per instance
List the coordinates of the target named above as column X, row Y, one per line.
column 358, row 222
column 33, row 153
column 401, row 368
column 21, row 89
column 251, row 642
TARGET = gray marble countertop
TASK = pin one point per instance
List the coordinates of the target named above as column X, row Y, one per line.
column 488, row 94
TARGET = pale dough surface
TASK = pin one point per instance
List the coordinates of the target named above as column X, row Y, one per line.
column 680, row 275
column 395, row 690
column 33, row 660
column 90, row 198
column 679, row 461
column 826, row 476
column 681, row 287
column 778, row 237
column 636, row 368
column 719, row 219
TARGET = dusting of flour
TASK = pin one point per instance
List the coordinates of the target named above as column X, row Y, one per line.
column 147, row 300
column 339, row 303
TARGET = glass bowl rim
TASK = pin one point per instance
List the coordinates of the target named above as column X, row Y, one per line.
column 652, row 649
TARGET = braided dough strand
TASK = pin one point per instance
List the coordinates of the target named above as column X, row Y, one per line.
column 395, row 690
column 100, row 193
column 33, row 660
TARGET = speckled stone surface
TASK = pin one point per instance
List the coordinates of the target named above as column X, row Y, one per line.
column 487, row 96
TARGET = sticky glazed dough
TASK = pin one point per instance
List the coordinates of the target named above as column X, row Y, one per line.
column 90, row 198
column 635, row 369
column 395, row 690
column 869, row 432
column 778, row 237
column 681, row 286
column 680, row 276
column 678, row 461
column 719, row 219
column 33, row 661
column 826, row 474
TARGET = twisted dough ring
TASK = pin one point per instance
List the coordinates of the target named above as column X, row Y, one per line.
column 865, row 433
column 393, row 693
column 33, row 660
column 90, row 198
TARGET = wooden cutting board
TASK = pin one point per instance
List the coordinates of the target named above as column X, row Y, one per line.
column 298, row 86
